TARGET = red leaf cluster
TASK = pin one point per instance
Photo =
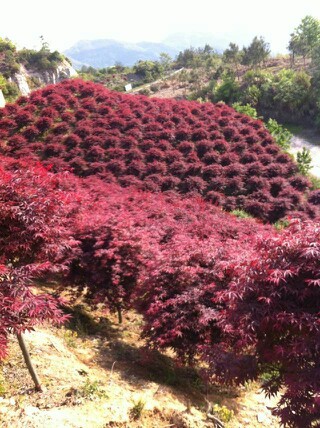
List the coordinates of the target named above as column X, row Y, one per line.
column 269, row 322
column 236, row 293
column 156, row 145
column 35, row 241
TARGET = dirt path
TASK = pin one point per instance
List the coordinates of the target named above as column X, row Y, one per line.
column 100, row 381
column 155, row 82
column 310, row 140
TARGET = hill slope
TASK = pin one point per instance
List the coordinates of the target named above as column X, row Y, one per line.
column 157, row 145
column 104, row 376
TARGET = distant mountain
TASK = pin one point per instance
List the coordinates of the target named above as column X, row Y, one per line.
column 106, row 52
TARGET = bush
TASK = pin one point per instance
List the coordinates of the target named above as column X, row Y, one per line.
column 271, row 321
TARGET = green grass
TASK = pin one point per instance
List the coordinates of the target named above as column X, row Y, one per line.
column 137, row 409
column 92, row 389
column 241, row 214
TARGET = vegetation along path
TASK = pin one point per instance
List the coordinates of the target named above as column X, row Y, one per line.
column 311, row 140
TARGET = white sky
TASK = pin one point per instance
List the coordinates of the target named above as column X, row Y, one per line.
column 64, row 22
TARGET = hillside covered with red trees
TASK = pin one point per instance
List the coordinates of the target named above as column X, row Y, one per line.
column 157, row 145
column 125, row 197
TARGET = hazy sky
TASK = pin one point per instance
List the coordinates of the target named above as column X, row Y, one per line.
column 63, row 22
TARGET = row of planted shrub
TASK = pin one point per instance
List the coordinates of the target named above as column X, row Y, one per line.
column 157, row 145
column 238, row 295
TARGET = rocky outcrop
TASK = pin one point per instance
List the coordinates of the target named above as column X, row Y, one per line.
column 63, row 71
column 2, row 100
column 46, row 77
column 21, row 80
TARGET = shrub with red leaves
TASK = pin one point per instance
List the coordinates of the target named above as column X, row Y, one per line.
column 35, row 241
column 270, row 323
column 20, row 308
column 177, row 286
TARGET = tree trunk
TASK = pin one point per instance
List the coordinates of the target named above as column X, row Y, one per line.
column 28, row 362
column 119, row 314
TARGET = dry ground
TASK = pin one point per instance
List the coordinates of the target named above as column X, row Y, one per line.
column 96, row 373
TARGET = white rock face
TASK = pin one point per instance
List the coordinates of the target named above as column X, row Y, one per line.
column 21, row 81
column 63, row 71
column 2, row 100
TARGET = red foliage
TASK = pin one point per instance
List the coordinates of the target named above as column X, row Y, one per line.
column 165, row 131
column 20, row 308
column 270, row 322
column 35, row 240
column 178, row 284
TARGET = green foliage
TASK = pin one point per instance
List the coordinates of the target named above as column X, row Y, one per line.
column 281, row 224
column 257, row 77
column 256, row 53
column 7, row 45
column 304, row 160
column 241, row 214
column 3, row 81
column 149, row 70
column 315, row 182
column 9, row 89
column 305, row 38
column 145, row 91
column 137, row 409
column 270, row 373
column 200, row 57
column 245, row 109
column 166, row 61
column 42, row 60
column 281, row 135
column 70, row 338
column 287, row 93
column 232, row 55
column 292, row 90
column 223, row 413
column 91, row 389
column 3, row 385
column 154, row 88
column 8, row 63
column 81, row 322
column 227, row 91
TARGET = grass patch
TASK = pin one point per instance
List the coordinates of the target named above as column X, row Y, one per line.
column 137, row 409
column 91, row 389
column 241, row 214
column 3, row 386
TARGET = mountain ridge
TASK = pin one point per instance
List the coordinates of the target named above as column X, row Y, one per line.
column 106, row 52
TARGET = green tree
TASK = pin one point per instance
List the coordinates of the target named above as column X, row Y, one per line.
column 304, row 160
column 297, row 46
column 233, row 56
column 256, row 53
column 292, row 91
column 44, row 45
column 7, row 45
column 227, row 91
column 305, row 38
column 165, row 61
column 149, row 70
